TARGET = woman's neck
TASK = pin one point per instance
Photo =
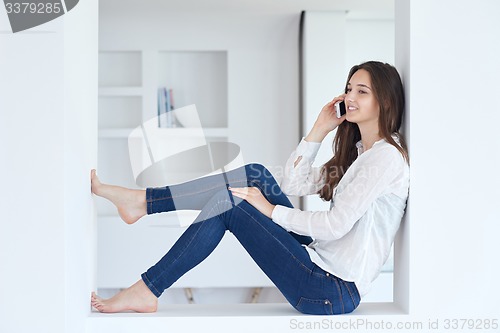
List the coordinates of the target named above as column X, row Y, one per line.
column 369, row 135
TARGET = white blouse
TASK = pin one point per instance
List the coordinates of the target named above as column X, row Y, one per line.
column 353, row 239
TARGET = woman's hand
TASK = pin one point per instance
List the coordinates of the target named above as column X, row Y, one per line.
column 326, row 122
column 254, row 197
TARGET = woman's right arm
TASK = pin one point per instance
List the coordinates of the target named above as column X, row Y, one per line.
column 300, row 177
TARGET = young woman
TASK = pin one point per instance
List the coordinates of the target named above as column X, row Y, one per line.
column 323, row 262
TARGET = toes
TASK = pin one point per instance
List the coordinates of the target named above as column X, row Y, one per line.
column 96, row 304
column 98, row 307
column 93, row 175
column 95, row 297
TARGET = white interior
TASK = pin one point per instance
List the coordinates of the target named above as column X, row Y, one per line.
column 48, row 131
column 197, row 61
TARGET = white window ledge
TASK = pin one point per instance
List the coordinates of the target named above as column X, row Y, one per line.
column 232, row 317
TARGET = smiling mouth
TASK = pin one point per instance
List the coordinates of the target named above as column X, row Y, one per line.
column 351, row 108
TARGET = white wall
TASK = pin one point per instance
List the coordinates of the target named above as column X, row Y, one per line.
column 368, row 39
column 80, row 155
column 32, row 229
column 48, row 113
column 262, row 64
column 324, row 58
column 448, row 55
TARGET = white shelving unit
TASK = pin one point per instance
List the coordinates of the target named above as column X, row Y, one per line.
column 128, row 83
column 123, row 133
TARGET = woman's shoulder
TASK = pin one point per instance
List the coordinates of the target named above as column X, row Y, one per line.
column 386, row 154
column 382, row 149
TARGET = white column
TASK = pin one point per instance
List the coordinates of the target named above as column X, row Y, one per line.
column 448, row 55
column 401, row 277
column 48, row 131
column 32, row 169
column 80, row 155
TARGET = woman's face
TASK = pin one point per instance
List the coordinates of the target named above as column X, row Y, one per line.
column 361, row 104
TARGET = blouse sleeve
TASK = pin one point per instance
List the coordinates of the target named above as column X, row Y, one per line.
column 370, row 178
column 302, row 178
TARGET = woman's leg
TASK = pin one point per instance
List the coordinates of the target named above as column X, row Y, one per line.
column 199, row 191
column 195, row 194
column 189, row 195
column 307, row 287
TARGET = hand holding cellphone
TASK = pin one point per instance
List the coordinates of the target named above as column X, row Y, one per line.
column 340, row 109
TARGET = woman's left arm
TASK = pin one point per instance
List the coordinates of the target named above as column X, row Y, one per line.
column 254, row 197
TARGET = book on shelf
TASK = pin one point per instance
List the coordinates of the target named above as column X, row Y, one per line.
column 166, row 118
column 161, row 108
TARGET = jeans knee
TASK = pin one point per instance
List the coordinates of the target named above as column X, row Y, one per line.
column 254, row 167
column 257, row 171
column 222, row 197
column 225, row 200
column 220, row 203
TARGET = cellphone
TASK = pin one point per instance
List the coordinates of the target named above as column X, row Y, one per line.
column 340, row 108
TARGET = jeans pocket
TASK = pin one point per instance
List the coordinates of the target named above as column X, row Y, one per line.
column 314, row 306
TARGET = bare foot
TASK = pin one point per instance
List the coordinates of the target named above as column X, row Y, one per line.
column 136, row 298
column 131, row 204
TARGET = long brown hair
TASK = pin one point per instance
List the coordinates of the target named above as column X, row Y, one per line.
column 388, row 90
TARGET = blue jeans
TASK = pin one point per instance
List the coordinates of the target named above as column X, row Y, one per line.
column 279, row 254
